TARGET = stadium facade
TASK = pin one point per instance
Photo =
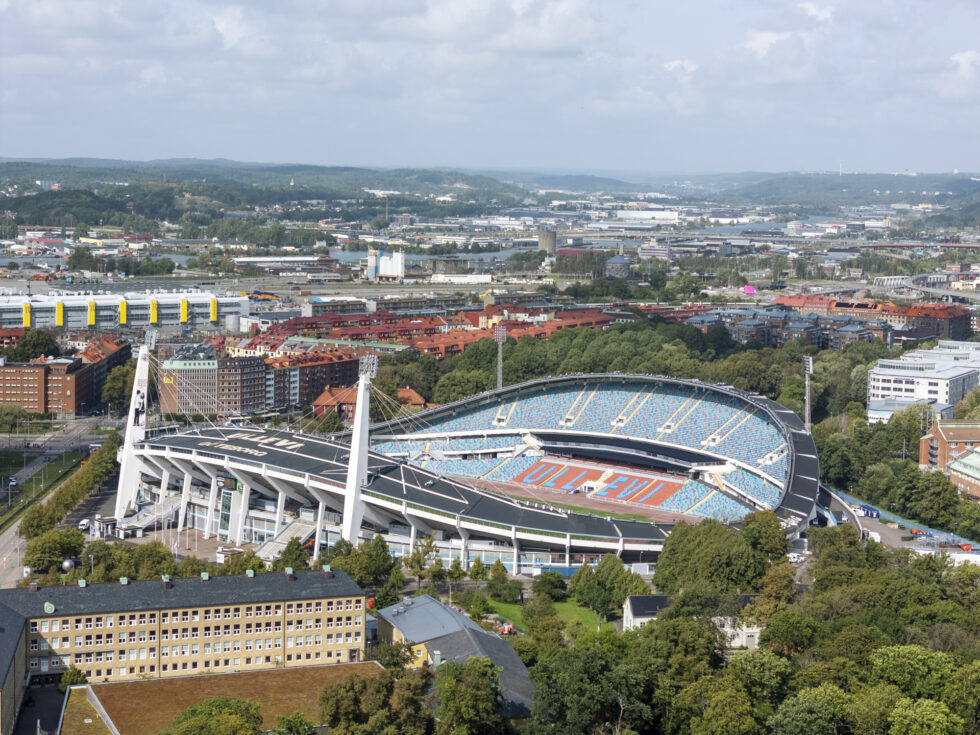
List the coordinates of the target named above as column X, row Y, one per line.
column 113, row 311
column 684, row 447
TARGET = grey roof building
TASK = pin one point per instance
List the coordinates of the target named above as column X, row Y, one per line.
column 441, row 634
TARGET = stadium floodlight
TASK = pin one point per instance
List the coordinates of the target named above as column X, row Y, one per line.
column 500, row 336
column 807, row 372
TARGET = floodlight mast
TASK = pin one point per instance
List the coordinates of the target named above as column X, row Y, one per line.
column 500, row 336
column 807, row 372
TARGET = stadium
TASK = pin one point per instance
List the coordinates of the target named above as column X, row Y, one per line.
column 549, row 473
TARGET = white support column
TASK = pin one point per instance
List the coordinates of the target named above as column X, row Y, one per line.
column 517, row 560
column 129, row 464
column 212, row 502
column 280, row 506
column 411, row 539
column 464, row 557
column 164, row 484
column 568, row 549
column 242, row 512
column 185, row 492
column 357, row 464
column 319, row 531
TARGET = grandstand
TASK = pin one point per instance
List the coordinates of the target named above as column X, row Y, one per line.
column 728, row 452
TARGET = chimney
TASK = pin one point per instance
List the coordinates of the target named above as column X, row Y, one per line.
column 205, row 576
column 436, row 659
column 81, row 583
column 327, row 572
column 289, row 574
column 249, row 572
column 124, row 581
column 33, row 586
column 166, row 581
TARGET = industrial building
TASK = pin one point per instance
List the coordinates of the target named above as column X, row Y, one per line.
column 108, row 312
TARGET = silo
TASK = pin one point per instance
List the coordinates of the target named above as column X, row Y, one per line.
column 547, row 241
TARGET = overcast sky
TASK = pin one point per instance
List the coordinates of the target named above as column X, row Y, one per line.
column 611, row 85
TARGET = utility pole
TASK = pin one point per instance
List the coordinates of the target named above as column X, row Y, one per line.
column 500, row 336
column 807, row 372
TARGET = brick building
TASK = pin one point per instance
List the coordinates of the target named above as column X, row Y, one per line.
column 947, row 440
column 64, row 386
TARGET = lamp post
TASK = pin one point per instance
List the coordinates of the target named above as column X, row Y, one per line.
column 807, row 372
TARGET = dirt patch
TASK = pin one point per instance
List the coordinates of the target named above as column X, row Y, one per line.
column 147, row 707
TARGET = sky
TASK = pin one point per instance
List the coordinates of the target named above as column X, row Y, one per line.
column 558, row 85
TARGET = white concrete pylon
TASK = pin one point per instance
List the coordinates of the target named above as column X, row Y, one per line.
column 357, row 463
column 129, row 464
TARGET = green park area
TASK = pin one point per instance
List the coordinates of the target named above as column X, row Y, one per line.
column 568, row 612
column 35, row 487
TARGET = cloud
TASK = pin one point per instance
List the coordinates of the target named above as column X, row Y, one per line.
column 501, row 82
column 760, row 42
column 815, row 11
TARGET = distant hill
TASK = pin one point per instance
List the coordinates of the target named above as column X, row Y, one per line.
column 831, row 190
column 94, row 172
column 585, row 183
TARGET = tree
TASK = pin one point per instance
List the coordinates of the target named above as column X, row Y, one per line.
column 916, row 671
column 420, row 557
column 73, row 676
column 551, row 584
column 499, row 587
column 33, row 344
column 478, row 572
column 789, row 633
column 52, row 547
column 393, row 656
column 218, row 716
column 118, row 388
column 294, row 724
column 727, row 712
column 13, row 265
column 468, row 696
column 293, row 555
column 764, row 676
column 708, row 552
column 455, row 575
column 764, row 534
column 923, row 717
column 777, row 588
column 387, row 596
column 817, row 711
column 961, row 694
column 868, row 710
column 364, row 705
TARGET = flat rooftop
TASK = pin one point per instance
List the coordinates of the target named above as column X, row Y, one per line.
column 149, row 706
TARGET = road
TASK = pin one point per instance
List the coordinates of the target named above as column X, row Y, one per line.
column 11, row 545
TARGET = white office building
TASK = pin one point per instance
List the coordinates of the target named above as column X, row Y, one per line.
column 897, row 384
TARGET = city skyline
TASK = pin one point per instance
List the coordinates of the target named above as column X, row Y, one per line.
column 613, row 87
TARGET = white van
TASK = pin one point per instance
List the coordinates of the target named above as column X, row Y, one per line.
column 84, row 524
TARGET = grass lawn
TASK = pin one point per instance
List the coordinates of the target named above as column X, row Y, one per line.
column 580, row 509
column 11, row 462
column 568, row 612
column 52, row 473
